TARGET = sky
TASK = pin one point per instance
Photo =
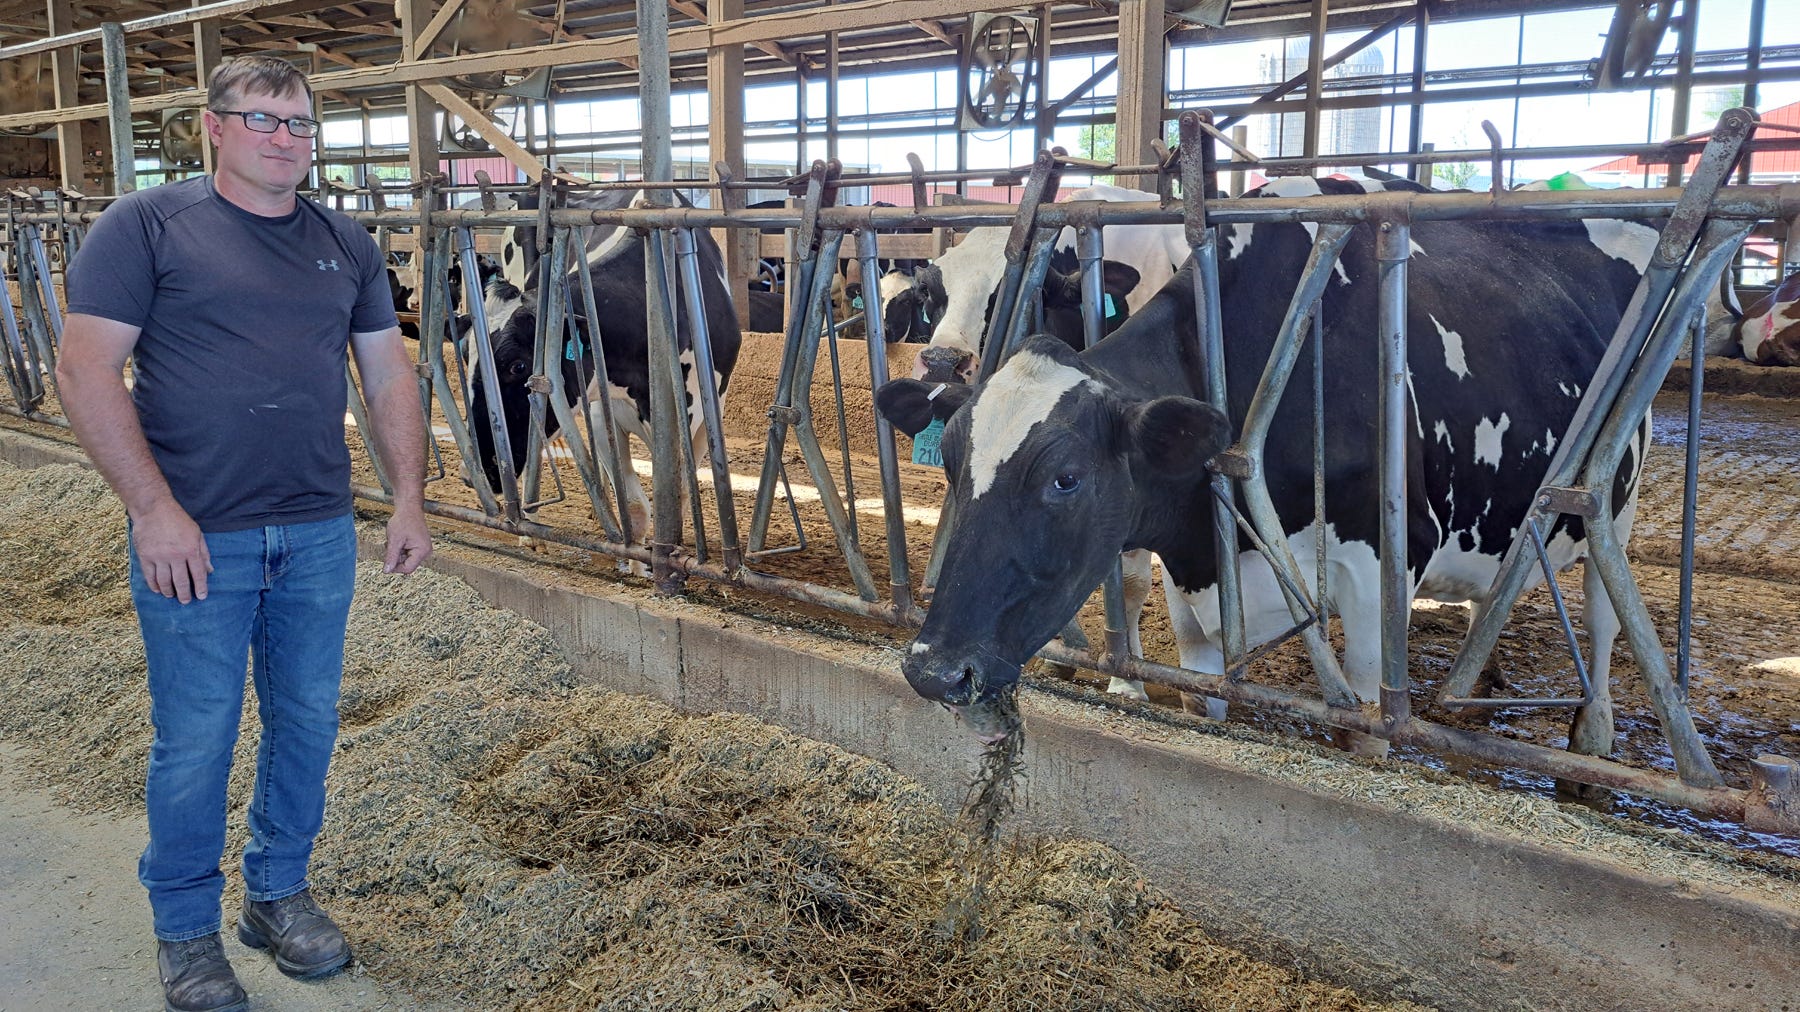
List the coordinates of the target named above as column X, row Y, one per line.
column 1588, row 118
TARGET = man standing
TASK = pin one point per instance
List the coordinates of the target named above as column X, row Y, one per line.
column 235, row 300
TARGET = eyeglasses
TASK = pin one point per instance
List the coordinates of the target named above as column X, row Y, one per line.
column 268, row 122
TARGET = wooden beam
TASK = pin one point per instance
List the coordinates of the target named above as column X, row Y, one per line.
column 699, row 13
column 420, row 44
column 697, row 38
column 937, row 31
column 457, row 106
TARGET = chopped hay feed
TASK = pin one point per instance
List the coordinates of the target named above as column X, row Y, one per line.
column 500, row 836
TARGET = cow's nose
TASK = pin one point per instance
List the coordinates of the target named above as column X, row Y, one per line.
column 945, row 676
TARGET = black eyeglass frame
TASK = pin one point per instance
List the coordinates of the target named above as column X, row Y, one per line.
column 310, row 125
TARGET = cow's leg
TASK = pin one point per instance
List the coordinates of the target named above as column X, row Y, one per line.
column 636, row 504
column 1199, row 648
column 1591, row 732
column 1356, row 591
column 1136, row 566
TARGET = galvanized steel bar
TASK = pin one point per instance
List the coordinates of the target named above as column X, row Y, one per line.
column 434, row 310
column 587, row 466
column 1393, row 242
column 610, row 441
column 665, row 422
column 1202, row 241
column 490, row 382
column 1690, row 491
column 1090, row 251
column 686, row 249
column 1720, row 802
column 893, row 508
column 800, row 289
column 41, row 340
column 1045, row 171
column 548, row 325
column 40, row 258
column 800, row 406
column 1328, row 245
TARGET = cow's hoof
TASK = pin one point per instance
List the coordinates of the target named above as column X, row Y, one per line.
column 1356, row 743
column 1587, row 793
column 1193, row 702
column 1128, row 688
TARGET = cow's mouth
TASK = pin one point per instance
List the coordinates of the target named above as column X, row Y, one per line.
column 993, row 720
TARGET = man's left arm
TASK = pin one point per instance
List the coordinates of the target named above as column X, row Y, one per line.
column 390, row 387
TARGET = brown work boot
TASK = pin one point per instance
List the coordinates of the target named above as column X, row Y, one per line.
column 196, row 976
column 305, row 941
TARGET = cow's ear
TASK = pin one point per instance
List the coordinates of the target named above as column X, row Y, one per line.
column 1176, row 436
column 1119, row 279
column 911, row 405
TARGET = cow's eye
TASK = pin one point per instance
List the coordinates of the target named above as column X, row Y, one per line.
column 1066, row 483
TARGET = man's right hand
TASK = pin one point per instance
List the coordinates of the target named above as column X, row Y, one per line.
column 172, row 552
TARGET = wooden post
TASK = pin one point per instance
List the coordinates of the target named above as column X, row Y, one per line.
column 206, row 57
column 1142, row 69
column 421, row 111
column 118, row 105
column 725, row 143
column 65, row 71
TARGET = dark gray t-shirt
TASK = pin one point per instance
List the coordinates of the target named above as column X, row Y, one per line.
column 245, row 324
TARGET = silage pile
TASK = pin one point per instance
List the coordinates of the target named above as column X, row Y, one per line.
column 499, row 836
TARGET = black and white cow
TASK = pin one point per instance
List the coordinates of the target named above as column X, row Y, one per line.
column 614, row 259
column 951, row 301
column 1062, row 459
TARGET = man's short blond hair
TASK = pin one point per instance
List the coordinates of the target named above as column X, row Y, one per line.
column 261, row 74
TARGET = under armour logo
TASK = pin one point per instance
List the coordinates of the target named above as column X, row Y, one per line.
column 327, row 265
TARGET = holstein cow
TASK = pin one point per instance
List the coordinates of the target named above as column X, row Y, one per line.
column 615, row 262
column 1062, row 460
column 950, row 301
column 1769, row 333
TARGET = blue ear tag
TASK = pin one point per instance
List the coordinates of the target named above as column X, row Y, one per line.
column 925, row 444
column 569, row 350
column 856, row 303
column 1111, row 310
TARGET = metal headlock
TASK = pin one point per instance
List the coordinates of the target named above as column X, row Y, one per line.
column 1611, row 411
column 810, row 299
column 1704, row 220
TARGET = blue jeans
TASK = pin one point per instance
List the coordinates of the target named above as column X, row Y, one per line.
column 282, row 596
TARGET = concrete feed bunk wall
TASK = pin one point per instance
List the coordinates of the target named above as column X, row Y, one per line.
column 1385, row 880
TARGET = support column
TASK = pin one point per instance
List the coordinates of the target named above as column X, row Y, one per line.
column 421, row 111
column 1142, row 69
column 725, row 143
column 1315, row 79
column 65, row 71
column 206, row 57
column 1416, row 122
column 118, row 106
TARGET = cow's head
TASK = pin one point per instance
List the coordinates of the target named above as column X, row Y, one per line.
column 911, row 304
column 1771, row 329
column 955, row 309
column 1054, row 473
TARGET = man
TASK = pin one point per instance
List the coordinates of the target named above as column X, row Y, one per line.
column 235, row 301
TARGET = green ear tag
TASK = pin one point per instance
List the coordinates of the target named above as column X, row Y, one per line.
column 1111, row 309
column 926, row 443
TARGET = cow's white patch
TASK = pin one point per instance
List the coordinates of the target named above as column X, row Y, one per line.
column 1442, row 432
column 1549, row 442
column 1454, row 359
column 1020, row 395
column 609, row 241
column 1622, row 240
column 971, row 272
column 1488, row 435
column 1237, row 240
column 891, row 284
column 920, row 648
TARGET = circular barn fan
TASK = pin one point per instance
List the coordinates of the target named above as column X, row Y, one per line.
column 183, row 138
column 1000, row 62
